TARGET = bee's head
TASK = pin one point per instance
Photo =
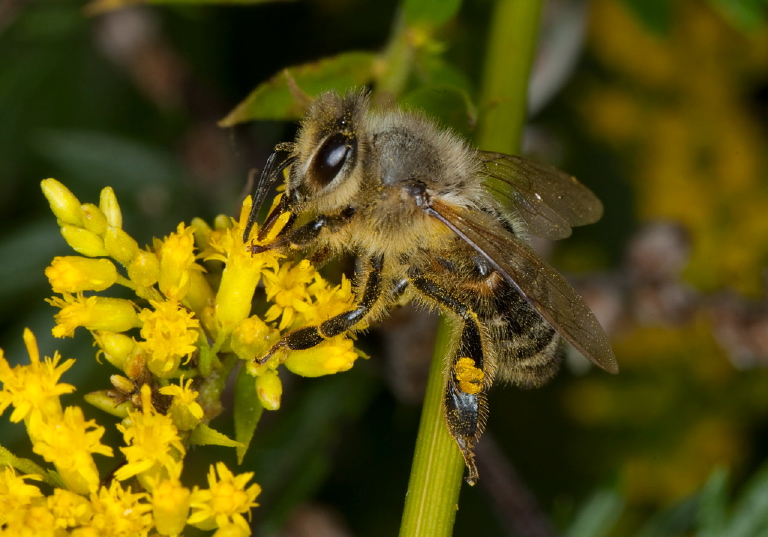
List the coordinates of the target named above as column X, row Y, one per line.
column 328, row 150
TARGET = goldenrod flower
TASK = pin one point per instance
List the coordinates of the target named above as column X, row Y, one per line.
column 287, row 288
column 328, row 301
column 153, row 443
column 169, row 333
column 74, row 274
column 15, row 493
column 68, row 444
column 93, row 313
column 69, row 509
column 225, row 500
column 331, row 356
column 241, row 273
column 205, row 311
column 170, row 506
column 185, row 411
column 118, row 512
column 253, row 337
column 34, row 389
column 177, row 259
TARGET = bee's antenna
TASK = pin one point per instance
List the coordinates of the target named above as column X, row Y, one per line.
column 268, row 177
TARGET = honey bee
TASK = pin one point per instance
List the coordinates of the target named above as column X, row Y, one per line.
column 425, row 214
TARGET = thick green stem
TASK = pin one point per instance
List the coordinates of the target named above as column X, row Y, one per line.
column 508, row 60
column 436, row 474
column 433, row 490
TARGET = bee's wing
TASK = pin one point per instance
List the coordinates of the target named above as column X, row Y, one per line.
column 550, row 201
column 542, row 286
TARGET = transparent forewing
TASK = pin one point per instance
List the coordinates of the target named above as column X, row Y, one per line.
column 544, row 288
column 550, row 201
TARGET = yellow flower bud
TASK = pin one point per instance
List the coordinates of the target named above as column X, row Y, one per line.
column 63, row 203
column 73, row 274
column 202, row 232
column 331, row 356
column 177, row 259
column 93, row 219
column 170, row 506
column 120, row 246
column 144, row 269
column 269, row 389
column 116, row 348
column 252, row 338
column 93, row 313
column 222, row 222
column 110, row 208
column 84, row 242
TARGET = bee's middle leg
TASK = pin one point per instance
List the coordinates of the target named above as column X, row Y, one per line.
column 310, row 336
column 466, row 407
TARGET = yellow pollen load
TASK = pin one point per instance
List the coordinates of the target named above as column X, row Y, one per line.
column 470, row 378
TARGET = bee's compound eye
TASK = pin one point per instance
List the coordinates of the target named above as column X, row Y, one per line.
column 330, row 158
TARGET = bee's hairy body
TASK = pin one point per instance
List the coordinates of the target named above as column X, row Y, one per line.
column 409, row 198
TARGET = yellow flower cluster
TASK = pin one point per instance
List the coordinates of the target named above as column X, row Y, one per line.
column 188, row 327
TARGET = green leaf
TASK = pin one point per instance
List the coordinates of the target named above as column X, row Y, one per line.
column 750, row 514
column 655, row 15
column 712, row 505
column 247, row 412
column 672, row 522
column 274, row 98
column 202, row 435
column 452, row 106
column 598, row 516
column 430, row 12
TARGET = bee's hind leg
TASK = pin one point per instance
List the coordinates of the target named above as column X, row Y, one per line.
column 465, row 404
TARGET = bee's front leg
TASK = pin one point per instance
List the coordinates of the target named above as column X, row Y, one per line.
column 305, row 234
column 310, row 336
column 465, row 404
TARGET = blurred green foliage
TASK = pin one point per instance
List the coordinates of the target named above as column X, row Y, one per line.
column 664, row 117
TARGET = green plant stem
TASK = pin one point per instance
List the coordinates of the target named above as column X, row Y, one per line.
column 508, row 60
column 433, row 489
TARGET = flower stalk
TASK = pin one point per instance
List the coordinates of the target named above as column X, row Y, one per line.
column 438, row 467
